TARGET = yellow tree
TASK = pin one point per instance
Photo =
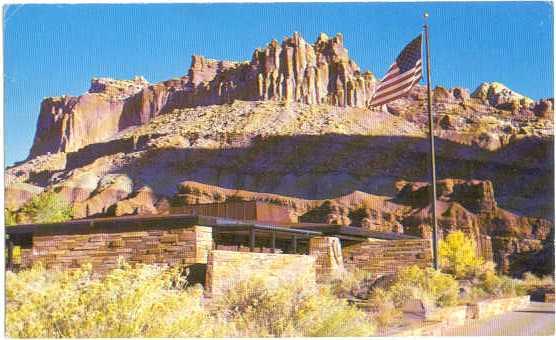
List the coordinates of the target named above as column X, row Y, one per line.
column 458, row 255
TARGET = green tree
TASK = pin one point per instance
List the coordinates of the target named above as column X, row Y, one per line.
column 47, row 207
column 458, row 255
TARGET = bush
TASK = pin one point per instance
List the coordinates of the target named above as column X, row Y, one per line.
column 476, row 294
column 258, row 308
column 145, row 301
column 532, row 282
column 149, row 301
column 47, row 207
column 352, row 284
column 426, row 284
column 385, row 310
column 9, row 217
column 458, row 255
column 501, row 286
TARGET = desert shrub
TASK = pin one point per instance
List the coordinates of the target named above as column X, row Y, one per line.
column 425, row 284
column 458, row 256
column 259, row 307
column 47, row 207
column 476, row 294
column 145, row 301
column 385, row 310
column 354, row 283
column 500, row 285
column 532, row 282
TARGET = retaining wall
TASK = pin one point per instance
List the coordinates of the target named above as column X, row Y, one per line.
column 226, row 268
column 489, row 308
column 156, row 246
column 383, row 257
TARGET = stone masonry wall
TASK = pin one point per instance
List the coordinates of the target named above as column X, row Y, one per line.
column 227, row 268
column 387, row 256
column 160, row 246
column 328, row 256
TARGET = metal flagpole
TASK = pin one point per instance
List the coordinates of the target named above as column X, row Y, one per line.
column 431, row 134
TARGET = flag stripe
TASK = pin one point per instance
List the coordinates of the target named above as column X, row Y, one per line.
column 397, row 93
column 402, row 75
column 397, row 87
column 401, row 79
column 389, row 81
column 392, row 72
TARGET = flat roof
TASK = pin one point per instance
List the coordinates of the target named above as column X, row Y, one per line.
column 170, row 221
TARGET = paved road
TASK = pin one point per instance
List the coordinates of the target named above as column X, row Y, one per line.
column 536, row 319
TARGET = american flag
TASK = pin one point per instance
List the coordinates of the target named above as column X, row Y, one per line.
column 402, row 75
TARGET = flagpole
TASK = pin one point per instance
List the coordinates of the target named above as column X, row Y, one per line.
column 433, row 162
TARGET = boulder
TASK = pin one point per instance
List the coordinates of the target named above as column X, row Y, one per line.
column 111, row 189
column 419, row 307
column 460, row 93
column 446, row 123
column 78, row 187
column 544, row 109
column 141, row 202
column 17, row 194
column 488, row 141
column 441, row 94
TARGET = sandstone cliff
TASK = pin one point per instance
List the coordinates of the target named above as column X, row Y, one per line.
column 319, row 73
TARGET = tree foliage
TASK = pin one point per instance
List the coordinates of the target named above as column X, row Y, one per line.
column 9, row 217
column 458, row 255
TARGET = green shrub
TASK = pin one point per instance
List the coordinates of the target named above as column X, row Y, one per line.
column 258, row 307
column 426, row 284
column 145, row 301
column 47, row 207
column 501, row 286
column 458, row 256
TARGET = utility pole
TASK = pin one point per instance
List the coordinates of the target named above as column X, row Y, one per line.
column 433, row 162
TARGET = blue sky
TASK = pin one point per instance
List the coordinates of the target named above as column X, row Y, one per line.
column 54, row 50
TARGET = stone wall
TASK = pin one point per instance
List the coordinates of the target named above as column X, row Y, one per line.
column 488, row 308
column 155, row 246
column 484, row 247
column 383, row 257
column 328, row 256
column 226, row 268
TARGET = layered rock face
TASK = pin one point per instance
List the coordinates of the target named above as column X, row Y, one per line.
column 319, row 73
column 69, row 123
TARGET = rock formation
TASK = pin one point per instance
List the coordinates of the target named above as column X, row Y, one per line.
column 319, row 73
column 500, row 96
